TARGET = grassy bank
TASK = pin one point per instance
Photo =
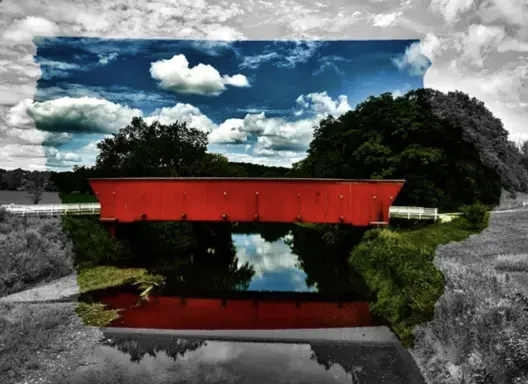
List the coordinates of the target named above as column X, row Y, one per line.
column 398, row 268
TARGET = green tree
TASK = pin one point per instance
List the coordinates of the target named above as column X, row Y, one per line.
column 420, row 139
column 150, row 150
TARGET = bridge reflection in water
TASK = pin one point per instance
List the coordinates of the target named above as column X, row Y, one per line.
column 261, row 285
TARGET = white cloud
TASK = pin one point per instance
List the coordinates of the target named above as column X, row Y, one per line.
column 183, row 113
column 274, row 135
column 385, row 20
column 451, row 9
column 203, row 79
column 84, row 114
column 322, row 104
column 256, row 60
column 23, row 30
column 106, row 58
column 412, row 60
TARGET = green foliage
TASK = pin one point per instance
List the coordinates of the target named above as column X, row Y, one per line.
column 398, row 269
column 426, row 138
column 92, row 243
column 77, row 198
column 149, row 150
column 403, row 278
column 475, row 215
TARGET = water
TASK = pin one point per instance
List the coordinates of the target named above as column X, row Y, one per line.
column 262, row 277
column 160, row 359
column 221, row 280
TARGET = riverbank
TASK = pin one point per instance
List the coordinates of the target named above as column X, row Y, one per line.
column 480, row 325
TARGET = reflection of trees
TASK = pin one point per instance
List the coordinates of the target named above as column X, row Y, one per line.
column 140, row 346
column 323, row 253
column 194, row 256
column 270, row 232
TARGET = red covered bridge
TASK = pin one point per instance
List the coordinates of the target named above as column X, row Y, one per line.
column 355, row 202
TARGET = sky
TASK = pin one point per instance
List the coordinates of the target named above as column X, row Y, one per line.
column 476, row 46
column 258, row 101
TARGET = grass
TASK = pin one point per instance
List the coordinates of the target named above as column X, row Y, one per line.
column 106, row 276
column 27, row 332
column 397, row 266
column 96, row 314
column 512, row 263
column 479, row 333
column 77, row 198
column 100, row 277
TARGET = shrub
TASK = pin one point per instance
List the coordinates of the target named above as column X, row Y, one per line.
column 33, row 251
column 475, row 215
column 92, row 243
column 401, row 275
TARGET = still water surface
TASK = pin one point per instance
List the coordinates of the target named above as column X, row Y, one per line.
column 296, row 266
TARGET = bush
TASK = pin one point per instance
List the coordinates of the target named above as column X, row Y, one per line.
column 401, row 275
column 92, row 243
column 475, row 215
column 31, row 252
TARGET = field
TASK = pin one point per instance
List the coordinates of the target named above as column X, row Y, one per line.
column 21, row 197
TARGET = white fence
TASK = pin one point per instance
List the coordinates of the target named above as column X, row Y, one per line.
column 525, row 203
column 54, row 209
column 415, row 213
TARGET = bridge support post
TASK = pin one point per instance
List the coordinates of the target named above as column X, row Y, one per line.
column 112, row 229
column 110, row 224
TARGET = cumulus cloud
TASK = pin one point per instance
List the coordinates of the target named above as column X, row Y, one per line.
column 413, row 60
column 272, row 135
column 203, row 79
column 183, row 113
column 83, row 114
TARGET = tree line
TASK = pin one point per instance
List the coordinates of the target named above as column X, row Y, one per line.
column 449, row 148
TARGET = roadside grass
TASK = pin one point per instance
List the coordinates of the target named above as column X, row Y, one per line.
column 27, row 334
column 512, row 263
column 479, row 333
column 76, row 198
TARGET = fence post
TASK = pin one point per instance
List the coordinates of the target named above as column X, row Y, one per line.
column 436, row 214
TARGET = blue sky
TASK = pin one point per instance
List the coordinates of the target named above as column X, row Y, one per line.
column 258, row 100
